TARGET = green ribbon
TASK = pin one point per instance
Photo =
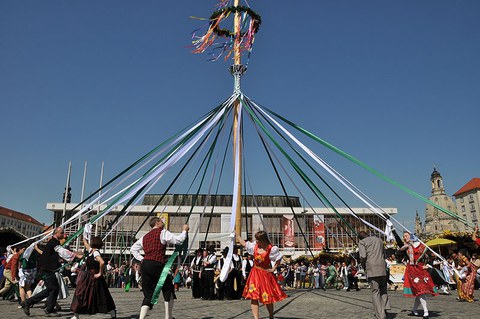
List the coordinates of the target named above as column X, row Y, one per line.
column 178, row 250
column 370, row 169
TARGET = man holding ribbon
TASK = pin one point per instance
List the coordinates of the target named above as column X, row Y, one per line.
column 154, row 244
column 48, row 264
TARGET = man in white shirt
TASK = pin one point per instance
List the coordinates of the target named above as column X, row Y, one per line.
column 154, row 244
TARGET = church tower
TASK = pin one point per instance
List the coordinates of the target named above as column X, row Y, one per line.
column 437, row 221
column 418, row 224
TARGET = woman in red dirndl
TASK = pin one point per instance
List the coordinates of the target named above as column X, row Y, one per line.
column 261, row 283
column 417, row 281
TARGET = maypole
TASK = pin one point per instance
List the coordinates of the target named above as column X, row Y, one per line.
column 237, row 70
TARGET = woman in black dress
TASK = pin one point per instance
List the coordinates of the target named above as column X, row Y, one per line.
column 91, row 294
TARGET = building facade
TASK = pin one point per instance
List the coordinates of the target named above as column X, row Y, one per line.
column 22, row 224
column 467, row 199
column 295, row 233
column 437, row 221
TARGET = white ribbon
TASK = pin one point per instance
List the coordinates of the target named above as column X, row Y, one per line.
column 87, row 231
column 228, row 259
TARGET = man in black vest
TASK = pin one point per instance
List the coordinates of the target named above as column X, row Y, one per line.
column 48, row 264
column 247, row 264
column 208, row 274
column 196, row 266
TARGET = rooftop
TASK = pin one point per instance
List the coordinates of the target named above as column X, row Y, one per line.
column 473, row 184
column 17, row 215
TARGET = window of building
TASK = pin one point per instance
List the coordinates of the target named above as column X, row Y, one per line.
column 176, row 222
column 214, row 221
column 463, row 208
column 461, row 199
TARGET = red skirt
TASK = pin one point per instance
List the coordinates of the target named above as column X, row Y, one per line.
column 262, row 285
column 417, row 281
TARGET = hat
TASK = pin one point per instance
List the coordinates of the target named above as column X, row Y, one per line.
column 199, row 251
column 245, row 254
column 211, row 249
column 225, row 250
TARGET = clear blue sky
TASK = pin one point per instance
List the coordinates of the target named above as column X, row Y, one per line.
column 395, row 83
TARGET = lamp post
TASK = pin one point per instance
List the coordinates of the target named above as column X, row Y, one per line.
column 304, row 213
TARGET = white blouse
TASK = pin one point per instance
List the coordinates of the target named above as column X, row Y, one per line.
column 275, row 254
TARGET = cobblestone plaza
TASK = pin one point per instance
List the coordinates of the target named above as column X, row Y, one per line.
column 300, row 304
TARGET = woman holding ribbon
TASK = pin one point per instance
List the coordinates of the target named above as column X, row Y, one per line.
column 261, row 283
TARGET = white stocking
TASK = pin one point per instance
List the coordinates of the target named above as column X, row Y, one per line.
column 169, row 308
column 143, row 312
column 423, row 301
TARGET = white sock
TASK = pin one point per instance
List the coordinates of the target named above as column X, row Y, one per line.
column 423, row 301
column 143, row 312
column 169, row 309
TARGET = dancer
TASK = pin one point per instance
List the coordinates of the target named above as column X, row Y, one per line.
column 11, row 271
column 476, row 239
column 417, row 280
column 466, row 280
column 91, row 293
column 154, row 244
column 48, row 264
column 27, row 273
column 372, row 258
column 261, row 283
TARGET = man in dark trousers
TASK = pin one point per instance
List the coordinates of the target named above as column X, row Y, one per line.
column 208, row 274
column 372, row 258
column 196, row 266
column 154, row 244
column 48, row 264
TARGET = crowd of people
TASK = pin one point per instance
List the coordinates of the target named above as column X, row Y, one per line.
column 261, row 274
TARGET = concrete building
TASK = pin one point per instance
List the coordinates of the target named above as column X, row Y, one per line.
column 467, row 199
column 209, row 220
column 437, row 221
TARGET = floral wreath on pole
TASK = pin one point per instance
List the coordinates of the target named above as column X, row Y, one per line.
column 255, row 18
column 221, row 41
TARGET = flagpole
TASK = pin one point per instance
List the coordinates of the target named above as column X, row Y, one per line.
column 98, row 203
column 65, row 195
column 77, row 244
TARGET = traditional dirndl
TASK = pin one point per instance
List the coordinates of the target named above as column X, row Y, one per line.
column 417, row 281
column 91, row 295
column 262, row 285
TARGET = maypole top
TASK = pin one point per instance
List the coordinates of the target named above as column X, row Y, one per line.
column 225, row 42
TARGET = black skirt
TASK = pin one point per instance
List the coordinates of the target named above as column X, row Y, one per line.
column 91, row 295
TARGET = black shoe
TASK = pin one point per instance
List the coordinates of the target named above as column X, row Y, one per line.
column 52, row 314
column 25, row 307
